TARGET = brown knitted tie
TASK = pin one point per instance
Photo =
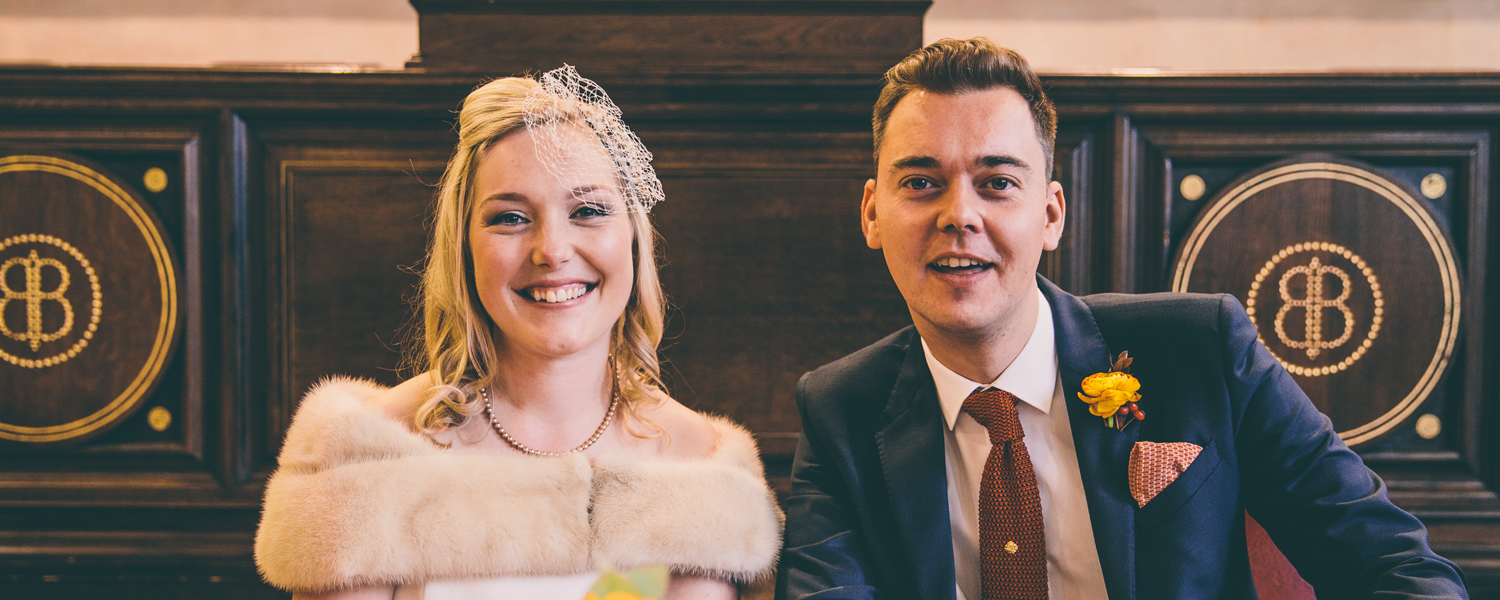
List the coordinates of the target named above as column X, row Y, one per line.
column 1012, row 545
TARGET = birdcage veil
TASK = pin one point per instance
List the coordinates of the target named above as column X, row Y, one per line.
column 567, row 98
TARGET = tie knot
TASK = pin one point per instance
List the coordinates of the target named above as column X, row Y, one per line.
column 996, row 411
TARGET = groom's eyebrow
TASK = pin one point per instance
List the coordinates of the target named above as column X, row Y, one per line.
column 989, row 161
column 916, row 162
column 992, row 161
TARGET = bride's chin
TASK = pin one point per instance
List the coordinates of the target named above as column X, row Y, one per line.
column 559, row 344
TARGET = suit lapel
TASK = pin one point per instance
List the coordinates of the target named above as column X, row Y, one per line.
column 913, row 461
column 1103, row 453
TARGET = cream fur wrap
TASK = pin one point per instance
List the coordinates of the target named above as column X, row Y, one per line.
column 359, row 499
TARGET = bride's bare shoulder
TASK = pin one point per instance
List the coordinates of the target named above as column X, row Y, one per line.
column 690, row 434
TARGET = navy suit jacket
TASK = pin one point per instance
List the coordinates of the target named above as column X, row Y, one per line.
column 867, row 516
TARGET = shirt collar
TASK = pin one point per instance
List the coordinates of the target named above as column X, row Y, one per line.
column 1031, row 377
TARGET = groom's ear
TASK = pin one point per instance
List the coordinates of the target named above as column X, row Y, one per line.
column 1056, row 209
column 867, row 217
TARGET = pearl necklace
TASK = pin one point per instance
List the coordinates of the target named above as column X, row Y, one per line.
column 614, row 402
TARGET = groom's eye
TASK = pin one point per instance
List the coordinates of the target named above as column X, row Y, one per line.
column 999, row 184
column 918, row 184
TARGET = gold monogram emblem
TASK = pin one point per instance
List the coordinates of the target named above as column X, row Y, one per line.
column 33, row 295
column 1314, row 304
column 1315, row 301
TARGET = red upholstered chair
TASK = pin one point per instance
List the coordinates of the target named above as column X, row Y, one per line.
column 1275, row 578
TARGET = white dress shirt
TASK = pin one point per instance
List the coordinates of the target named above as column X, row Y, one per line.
column 1073, row 569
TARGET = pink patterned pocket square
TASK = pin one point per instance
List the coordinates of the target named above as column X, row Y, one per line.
column 1154, row 466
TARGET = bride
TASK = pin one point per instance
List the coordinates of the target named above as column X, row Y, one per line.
column 538, row 445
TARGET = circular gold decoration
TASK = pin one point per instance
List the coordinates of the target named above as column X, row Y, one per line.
column 155, row 179
column 34, row 297
column 159, row 418
column 1429, row 426
column 1434, row 185
column 71, row 364
column 1192, row 187
column 1348, row 277
column 1315, row 302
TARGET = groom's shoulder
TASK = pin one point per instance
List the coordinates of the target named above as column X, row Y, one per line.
column 1161, row 310
column 869, row 370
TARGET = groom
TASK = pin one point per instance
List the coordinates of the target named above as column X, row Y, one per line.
column 956, row 458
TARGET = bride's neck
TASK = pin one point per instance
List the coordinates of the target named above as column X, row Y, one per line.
column 554, row 388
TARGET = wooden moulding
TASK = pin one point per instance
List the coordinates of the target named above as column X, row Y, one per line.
column 656, row 37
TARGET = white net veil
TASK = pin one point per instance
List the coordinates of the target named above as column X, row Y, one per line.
column 566, row 103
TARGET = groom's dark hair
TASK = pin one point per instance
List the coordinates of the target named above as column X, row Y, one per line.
column 950, row 66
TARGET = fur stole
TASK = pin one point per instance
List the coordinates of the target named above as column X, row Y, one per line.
column 358, row 499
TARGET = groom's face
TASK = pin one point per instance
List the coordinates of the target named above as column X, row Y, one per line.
column 962, row 207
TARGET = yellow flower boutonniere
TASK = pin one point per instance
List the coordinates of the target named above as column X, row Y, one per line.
column 1112, row 394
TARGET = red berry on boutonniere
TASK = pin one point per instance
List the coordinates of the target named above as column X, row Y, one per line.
column 1112, row 394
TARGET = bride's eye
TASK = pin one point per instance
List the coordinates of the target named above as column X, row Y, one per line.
column 591, row 210
column 506, row 218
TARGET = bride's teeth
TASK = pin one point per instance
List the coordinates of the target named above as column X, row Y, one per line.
column 561, row 294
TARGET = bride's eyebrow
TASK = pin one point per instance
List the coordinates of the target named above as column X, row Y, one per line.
column 594, row 187
column 505, row 197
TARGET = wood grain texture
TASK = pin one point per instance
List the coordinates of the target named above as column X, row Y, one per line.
column 668, row 37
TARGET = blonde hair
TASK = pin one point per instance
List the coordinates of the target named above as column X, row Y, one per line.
column 458, row 336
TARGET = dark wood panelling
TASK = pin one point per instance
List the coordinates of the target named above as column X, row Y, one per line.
column 346, row 312
column 302, row 195
column 606, row 36
column 772, row 260
column 1075, row 165
column 342, row 306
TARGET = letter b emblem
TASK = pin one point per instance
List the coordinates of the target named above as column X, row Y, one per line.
column 33, row 295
